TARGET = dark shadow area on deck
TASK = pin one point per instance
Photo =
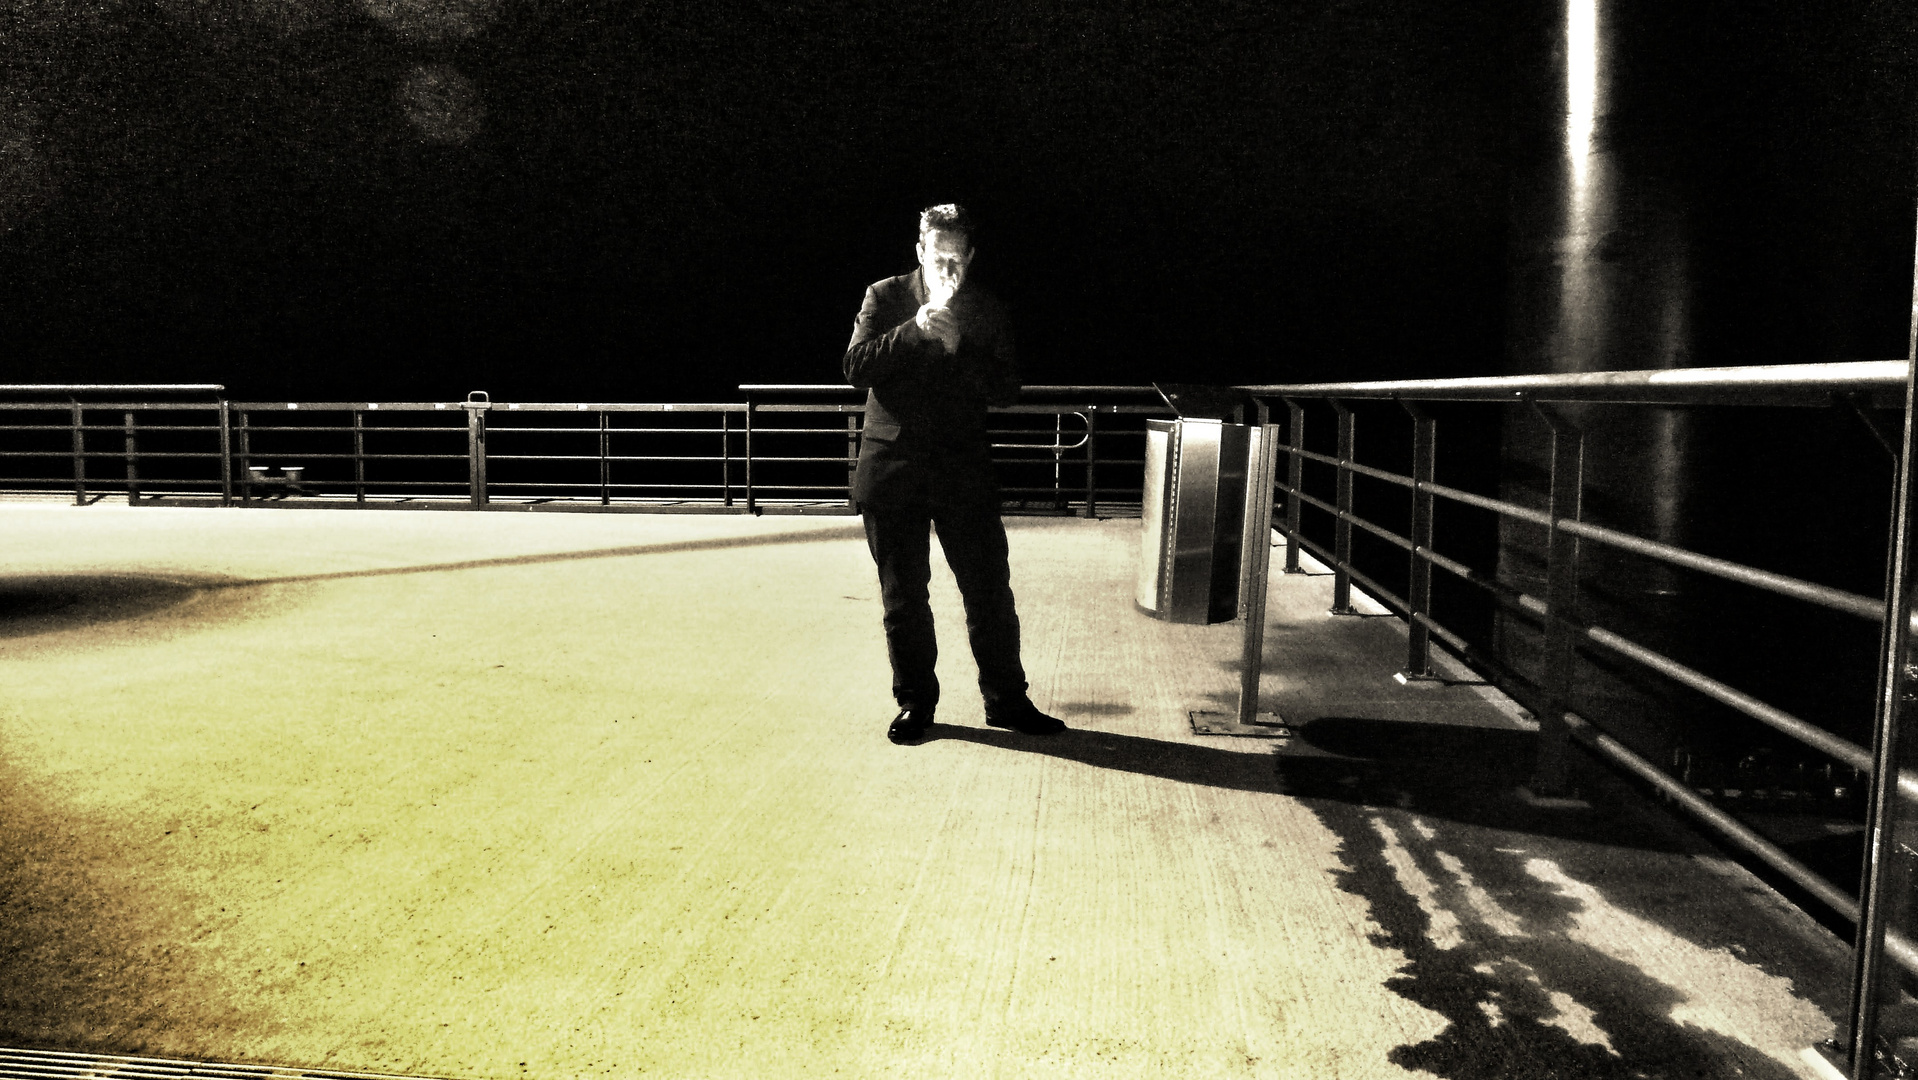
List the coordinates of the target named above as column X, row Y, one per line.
column 85, row 956
column 717, row 543
column 32, row 605
column 1444, row 797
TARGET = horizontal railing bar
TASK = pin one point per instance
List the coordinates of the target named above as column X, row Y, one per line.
column 1610, row 748
column 1362, row 470
column 449, row 407
column 1800, row 384
column 98, row 388
column 122, row 455
column 1378, row 592
column 592, row 485
column 1824, row 595
column 1771, row 854
column 590, row 407
column 1345, row 515
column 842, row 388
column 1804, row 731
column 370, row 429
column 1810, row 734
column 1486, row 502
column 610, row 430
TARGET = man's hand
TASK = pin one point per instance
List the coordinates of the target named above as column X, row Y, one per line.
column 941, row 323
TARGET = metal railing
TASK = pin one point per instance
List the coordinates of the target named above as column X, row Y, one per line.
column 1566, row 635
column 784, row 449
column 1569, row 635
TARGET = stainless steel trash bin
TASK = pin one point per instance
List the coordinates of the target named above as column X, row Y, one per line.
column 1194, row 511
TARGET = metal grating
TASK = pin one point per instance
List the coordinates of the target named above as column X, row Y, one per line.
column 51, row 1064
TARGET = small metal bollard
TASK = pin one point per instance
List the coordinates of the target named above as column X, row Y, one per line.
column 294, row 473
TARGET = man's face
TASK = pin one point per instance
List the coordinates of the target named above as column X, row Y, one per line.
column 944, row 256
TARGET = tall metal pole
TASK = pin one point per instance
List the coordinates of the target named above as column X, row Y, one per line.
column 1295, row 481
column 133, row 457
column 79, row 454
column 226, row 452
column 1882, row 874
column 1255, row 559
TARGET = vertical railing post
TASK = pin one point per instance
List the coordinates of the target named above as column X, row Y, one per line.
column 752, row 505
column 1255, row 558
column 605, row 458
column 1551, row 775
column 1342, row 528
column 246, row 459
column 133, row 458
column 359, row 457
column 1295, row 480
column 226, row 453
column 79, row 454
column 1418, row 657
column 1058, row 460
column 852, row 452
column 1092, row 461
column 726, row 456
column 476, row 404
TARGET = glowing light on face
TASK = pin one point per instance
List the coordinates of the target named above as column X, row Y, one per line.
column 943, row 257
column 1581, row 85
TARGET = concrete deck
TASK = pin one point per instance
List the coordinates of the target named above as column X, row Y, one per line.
column 500, row 795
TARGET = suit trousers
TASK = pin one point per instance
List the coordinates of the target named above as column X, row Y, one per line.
column 974, row 541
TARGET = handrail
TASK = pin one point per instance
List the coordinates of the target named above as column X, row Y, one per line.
column 776, row 449
column 1854, row 383
column 1759, row 384
column 101, row 388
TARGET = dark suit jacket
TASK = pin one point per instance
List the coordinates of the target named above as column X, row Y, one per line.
column 925, row 433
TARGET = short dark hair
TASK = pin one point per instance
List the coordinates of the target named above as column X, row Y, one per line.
column 945, row 217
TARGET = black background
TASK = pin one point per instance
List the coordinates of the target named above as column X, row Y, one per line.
column 662, row 202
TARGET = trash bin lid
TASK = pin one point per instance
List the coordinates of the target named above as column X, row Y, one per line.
column 1197, row 401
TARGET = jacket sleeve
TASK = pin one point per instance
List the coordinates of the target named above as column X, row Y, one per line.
column 1002, row 364
column 878, row 354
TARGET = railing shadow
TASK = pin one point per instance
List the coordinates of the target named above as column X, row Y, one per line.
column 47, row 603
column 1549, row 941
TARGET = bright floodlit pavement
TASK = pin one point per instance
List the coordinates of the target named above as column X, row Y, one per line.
column 509, row 794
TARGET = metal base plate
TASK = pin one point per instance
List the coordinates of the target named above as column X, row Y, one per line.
column 1266, row 726
column 1824, row 1064
column 1550, row 802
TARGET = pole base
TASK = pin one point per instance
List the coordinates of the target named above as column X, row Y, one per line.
column 1550, row 800
column 1826, row 1061
column 1266, row 726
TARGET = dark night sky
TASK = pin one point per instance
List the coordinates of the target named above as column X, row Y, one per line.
column 385, row 199
column 395, row 198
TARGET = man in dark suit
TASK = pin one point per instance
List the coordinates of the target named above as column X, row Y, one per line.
column 934, row 351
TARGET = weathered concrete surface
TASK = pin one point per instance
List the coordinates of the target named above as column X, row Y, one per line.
column 494, row 795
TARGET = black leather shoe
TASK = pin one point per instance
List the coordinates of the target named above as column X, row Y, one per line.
column 1026, row 720
column 909, row 726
